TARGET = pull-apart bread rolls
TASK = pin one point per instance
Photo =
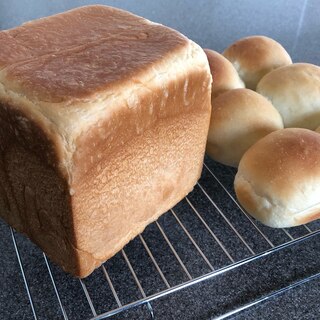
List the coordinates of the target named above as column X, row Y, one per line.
column 104, row 118
column 278, row 181
column 239, row 118
column 295, row 91
column 255, row 56
column 224, row 76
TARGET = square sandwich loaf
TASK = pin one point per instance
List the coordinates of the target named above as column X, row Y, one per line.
column 103, row 123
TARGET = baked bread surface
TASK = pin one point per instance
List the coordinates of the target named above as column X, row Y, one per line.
column 278, row 179
column 295, row 91
column 255, row 56
column 104, row 117
column 239, row 118
column 224, row 76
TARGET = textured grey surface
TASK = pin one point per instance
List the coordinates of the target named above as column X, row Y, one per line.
column 213, row 24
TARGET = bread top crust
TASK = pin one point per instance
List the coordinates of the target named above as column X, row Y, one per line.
column 78, row 54
column 257, row 52
column 295, row 91
column 302, row 77
column 243, row 105
column 255, row 56
column 284, row 167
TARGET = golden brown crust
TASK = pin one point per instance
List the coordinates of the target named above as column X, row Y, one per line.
column 239, row 118
column 35, row 197
column 294, row 91
column 31, row 133
column 107, row 136
column 97, row 157
column 164, row 152
column 84, row 51
column 255, row 56
column 279, row 178
column 68, row 30
column 289, row 155
column 310, row 217
column 224, row 76
column 165, row 163
column 11, row 51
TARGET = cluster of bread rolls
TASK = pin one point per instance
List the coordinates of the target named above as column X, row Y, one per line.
column 264, row 111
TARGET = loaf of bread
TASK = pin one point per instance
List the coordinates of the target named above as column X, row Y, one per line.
column 239, row 118
column 295, row 91
column 255, row 56
column 104, row 119
column 278, row 181
column 224, row 76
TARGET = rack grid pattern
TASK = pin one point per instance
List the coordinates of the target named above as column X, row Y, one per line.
column 191, row 243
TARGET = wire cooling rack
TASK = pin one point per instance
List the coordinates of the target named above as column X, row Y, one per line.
column 206, row 235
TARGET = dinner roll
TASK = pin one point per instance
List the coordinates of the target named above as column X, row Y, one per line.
column 278, row 181
column 239, row 118
column 295, row 91
column 255, row 56
column 225, row 76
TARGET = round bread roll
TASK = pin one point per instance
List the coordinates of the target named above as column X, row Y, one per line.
column 239, row 118
column 278, row 181
column 295, row 91
column 225, row 76
column 255, row 56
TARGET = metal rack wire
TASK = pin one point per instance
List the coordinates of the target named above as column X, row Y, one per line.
column 210, row 214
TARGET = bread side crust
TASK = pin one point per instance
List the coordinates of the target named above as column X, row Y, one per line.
column 113, row 204
column 34, row 196
column 225, row 76
column 148, row 163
